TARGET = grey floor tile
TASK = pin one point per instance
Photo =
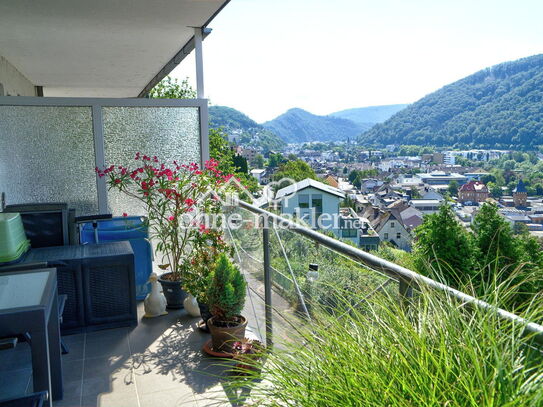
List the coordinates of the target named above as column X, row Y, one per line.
column 72, row 390
column 72, row 370
column 118, row 385
column 168, row 398
column 112, row 400
column 107, row 347
column 108, row 366
column 71, row 339
column 75, row 351
column 152, row 381
column 68, row 402
column 109, row 333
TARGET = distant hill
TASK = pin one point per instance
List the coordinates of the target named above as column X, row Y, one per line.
column 369, row 115
column 230, row 119
column 499, row 107
column 299, row 126
column 243, row 129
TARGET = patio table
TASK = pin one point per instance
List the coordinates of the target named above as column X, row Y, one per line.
column 29, row 304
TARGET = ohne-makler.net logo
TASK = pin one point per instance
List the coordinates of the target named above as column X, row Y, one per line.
column 236, row 218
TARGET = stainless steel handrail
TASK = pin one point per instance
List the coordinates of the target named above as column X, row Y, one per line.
column 406, row 277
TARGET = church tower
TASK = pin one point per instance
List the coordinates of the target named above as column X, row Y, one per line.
column 520, row 195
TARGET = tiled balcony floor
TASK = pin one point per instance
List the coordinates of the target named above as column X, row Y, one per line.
column 159, row 363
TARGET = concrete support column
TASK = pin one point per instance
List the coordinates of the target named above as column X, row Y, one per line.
column 199, row 62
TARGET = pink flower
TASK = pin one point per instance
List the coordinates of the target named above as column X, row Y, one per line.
column 171, row 218
column 125, row 214
column 211, row 164
column 202, row 227
column 189, row 202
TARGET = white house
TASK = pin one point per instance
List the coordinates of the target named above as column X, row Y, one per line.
column 391, row 229
column 260, row 175
column 312, row 201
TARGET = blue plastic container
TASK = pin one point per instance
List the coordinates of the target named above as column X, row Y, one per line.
column 133, row 229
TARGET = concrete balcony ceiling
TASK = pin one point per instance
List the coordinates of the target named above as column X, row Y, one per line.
column 98, row 48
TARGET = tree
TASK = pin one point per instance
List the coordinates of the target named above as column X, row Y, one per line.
column 220, row 150
column 444, row 246
column 170, row 88
column 495, row 190
column 357, row 182
column 226, row 290
column 275, row 159
column 296, row 170
column 258, row 162
column 453, row 188
column 494, row 238
column 292, row 157
column 415, row 193
column 240, row 164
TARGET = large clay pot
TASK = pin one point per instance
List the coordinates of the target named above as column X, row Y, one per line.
column 191, row 306
column 173, row 292
column 222, row 337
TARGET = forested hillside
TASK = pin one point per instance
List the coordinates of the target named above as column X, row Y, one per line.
column 299, row 126
column 243, row 129
column 369, row 115
column 230, row 119
column 498, row 107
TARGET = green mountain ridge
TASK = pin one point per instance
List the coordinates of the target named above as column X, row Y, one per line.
column 230, row 119
column 497, row 107
column 369, row 114
column 299, row 126
column 244, row 130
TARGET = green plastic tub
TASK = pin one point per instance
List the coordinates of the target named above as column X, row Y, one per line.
column 13, row 241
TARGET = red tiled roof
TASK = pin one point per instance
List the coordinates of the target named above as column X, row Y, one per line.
column 474, row 186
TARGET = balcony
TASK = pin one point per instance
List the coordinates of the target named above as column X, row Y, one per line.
column 160, row 362
column 49, row 148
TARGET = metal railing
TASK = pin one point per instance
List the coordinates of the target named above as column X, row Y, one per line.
column 408, row 280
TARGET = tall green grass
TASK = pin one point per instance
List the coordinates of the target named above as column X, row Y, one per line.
column 436, row 353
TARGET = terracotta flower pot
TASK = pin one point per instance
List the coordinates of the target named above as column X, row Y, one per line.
column 223, row 335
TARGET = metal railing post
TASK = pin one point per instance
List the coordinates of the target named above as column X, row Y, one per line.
column 267, row 286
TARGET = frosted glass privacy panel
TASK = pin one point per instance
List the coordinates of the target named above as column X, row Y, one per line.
column 47, row 155
column 170, row 133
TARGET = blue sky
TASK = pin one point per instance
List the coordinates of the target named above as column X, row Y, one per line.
column 266, row 56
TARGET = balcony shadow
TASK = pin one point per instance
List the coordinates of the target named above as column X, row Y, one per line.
column 176, row 356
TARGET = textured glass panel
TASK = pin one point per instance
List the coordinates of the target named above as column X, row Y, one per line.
column 170, row 133
column 47, row 155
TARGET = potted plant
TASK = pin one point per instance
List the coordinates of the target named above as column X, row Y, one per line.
column 178, row 199
column 207, row 249
column 226, row 297
column 247, row 354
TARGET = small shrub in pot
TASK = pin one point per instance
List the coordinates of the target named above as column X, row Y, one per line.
column 226, row 298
